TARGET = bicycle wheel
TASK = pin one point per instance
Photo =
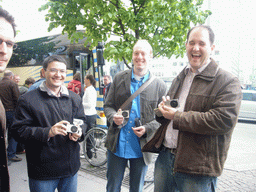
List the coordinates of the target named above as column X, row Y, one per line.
column 96, row 136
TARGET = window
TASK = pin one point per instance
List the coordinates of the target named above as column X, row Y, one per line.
column 249, row 96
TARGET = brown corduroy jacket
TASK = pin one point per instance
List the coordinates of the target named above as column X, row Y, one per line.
column 206, row 125
column 4, row 174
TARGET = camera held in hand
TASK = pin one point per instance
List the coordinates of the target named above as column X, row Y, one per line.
column 73, row 129
column 137, row 122
column 173, row 103
column 124, row 113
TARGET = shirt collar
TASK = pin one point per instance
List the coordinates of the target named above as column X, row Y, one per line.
column 188, row 68
column 63, row 90
column 143, row 79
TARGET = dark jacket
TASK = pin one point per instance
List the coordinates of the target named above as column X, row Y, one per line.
column 9, row 93
column 36, row 113
column 4, row 174
column 106, row 90
column 149, row 98
column 206, row 125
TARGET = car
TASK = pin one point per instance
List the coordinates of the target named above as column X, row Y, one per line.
column 248, row 106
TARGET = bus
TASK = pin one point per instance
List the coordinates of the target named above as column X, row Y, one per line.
column 27, row 62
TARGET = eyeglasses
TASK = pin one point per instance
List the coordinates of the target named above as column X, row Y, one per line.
column 9, row 44
column 53, row 70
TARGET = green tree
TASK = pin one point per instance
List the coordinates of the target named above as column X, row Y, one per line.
column 32, row 49
column 164, row 23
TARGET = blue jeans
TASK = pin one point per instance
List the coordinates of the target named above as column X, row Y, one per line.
column 67, row 184
column 12, row 144
column 115, row 173
column 167, row 181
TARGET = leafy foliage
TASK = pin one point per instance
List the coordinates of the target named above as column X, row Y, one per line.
column 32, row 49
column 164, row 23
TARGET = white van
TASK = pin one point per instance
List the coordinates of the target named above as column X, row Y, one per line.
column 248, row 106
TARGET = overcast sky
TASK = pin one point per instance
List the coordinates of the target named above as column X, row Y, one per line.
column 30, row 22
column 233, row 22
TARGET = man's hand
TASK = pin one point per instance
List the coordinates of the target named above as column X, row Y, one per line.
column 139, row 131
column 118, row 119
column 76, row 136
column 167, row 111
column 58, row 129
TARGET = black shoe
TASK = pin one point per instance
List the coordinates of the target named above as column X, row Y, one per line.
column 89, row 153
column 15, row 159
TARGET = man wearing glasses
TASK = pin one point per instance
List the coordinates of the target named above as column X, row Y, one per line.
column 7, row 35
column 41, row 122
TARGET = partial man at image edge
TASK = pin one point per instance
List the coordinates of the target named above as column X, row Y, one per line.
column 7, row 38
column 195, row 136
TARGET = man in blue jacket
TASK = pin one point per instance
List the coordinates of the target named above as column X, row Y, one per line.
column 41, row 121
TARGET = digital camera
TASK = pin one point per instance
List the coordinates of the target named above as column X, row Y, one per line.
column 137, row 122
column 124, row 113
column 173, row 103
column 73, row 129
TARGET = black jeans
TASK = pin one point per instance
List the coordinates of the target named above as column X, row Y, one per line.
column 91, row 122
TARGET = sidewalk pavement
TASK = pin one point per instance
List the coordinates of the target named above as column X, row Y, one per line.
column 229, row 181
column 239, row 172
column 19, row 179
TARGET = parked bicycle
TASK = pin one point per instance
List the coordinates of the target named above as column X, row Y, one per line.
column 97, row 137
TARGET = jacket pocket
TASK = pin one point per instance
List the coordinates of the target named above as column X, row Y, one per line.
column 147, row 110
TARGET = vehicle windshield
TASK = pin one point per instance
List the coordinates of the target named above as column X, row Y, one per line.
column 249, row 96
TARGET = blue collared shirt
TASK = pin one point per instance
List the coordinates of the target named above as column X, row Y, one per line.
column 129, row 144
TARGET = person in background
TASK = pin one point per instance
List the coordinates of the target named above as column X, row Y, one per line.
column 16, row 79
column 28, row 82
column 23, row 89
column 124, row 141
column 89, row 104
column 197, row 134
column 75, row 84
column 7, row 44
column 9, row 95
column 38, row 82
column 107, row 82
column 42, row 122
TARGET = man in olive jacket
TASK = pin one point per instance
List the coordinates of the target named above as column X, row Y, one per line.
column 198, row 132
column 7, row 35
column 124, row 140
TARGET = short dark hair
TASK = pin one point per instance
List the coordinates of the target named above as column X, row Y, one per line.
column 77, row 76
column 8, row 17
column 29, row 81
column 208, row 28
column 91, row 79
column 53, row 58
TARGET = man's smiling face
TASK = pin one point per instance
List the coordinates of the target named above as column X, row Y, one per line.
column 6, row 36
column 199, row 48
column 55, row 75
